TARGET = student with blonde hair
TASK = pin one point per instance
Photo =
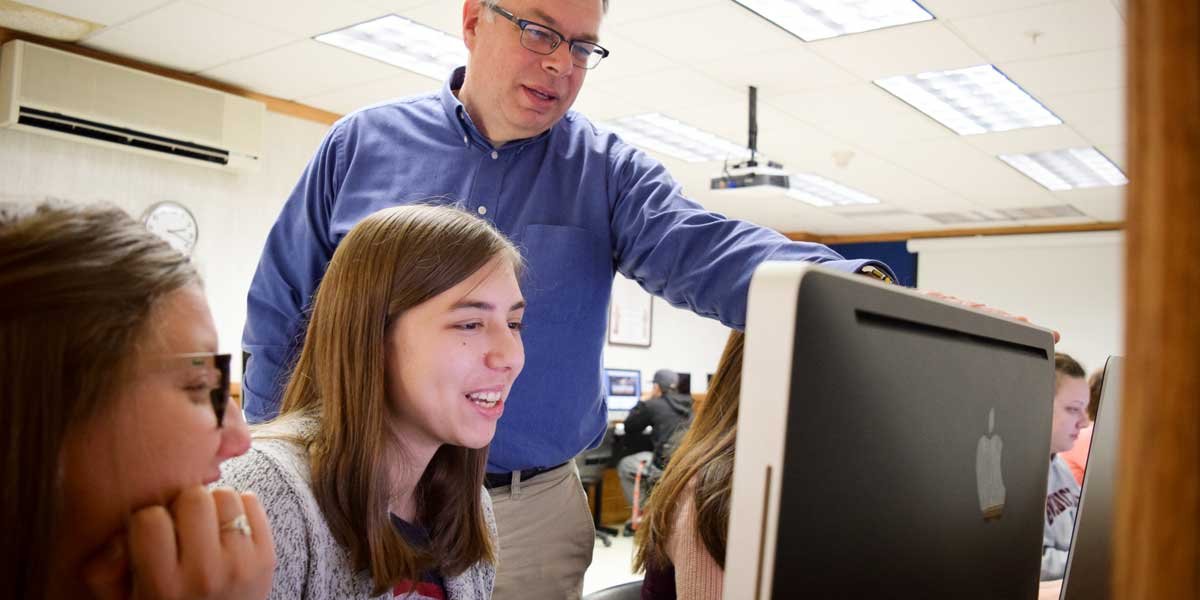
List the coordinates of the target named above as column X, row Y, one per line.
column 115, row 414
column 1071, row 396
column 681, row 542
column 372, row 475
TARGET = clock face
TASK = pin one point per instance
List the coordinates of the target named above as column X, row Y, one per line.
column 174, row 223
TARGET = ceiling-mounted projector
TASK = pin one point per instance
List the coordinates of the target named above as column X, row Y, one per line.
column 752, row 175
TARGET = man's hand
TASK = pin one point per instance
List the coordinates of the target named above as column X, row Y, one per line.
column 983, row 308
column 210, row 544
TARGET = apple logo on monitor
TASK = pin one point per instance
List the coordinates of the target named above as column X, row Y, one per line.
column 987, row 472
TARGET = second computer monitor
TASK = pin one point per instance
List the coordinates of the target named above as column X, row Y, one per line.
column 623, row 387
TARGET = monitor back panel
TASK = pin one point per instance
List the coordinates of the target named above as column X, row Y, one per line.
column 1089, row 566
column 905, row 419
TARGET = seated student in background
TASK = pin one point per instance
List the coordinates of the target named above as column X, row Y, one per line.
column 114, row 417
column 1076, row 457
column 681, row 543
column 667, row 412
column 1071, row 397
column 372, row 475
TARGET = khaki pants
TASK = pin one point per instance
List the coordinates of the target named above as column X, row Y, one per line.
column 546, row 536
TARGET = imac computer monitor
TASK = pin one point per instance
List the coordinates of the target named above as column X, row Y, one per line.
column 1089, row 564
column 684, row 385
column 898, row 447
column 623, row 387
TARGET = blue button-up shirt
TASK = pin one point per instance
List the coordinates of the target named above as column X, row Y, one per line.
column 580, row 204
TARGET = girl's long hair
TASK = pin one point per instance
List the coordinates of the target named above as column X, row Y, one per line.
column 78, row 285
column 392, row 261
column 705, row 456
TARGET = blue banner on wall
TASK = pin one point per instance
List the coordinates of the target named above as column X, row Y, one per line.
column 895, row 254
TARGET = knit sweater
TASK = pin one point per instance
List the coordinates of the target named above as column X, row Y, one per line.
column 309, row 562
column 697, row 574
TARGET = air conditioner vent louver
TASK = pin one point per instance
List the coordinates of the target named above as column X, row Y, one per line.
column 54, row 92
column 41, row 119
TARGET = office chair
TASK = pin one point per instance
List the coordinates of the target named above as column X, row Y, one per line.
column 631, row 590
column 591, row 464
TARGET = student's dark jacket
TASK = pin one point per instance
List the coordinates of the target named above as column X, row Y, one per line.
column 668, row 414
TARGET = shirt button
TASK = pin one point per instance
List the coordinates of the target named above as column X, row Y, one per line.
column 482, row 210
column 495, row 155
column 466, row 140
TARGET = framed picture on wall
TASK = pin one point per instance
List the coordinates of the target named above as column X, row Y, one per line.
column 630, row 314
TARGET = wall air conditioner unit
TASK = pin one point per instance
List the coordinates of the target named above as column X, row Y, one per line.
column 58, row 93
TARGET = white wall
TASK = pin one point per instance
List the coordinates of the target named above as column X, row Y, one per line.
column 1071, row 282
column 679, row 340
column 234, row 211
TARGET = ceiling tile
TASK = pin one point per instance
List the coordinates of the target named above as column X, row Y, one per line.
column 1098, row 116
column 666, row 91
column 399, row 6
column 1041, row 31
column 620, row 13
column 1102, row 204
column 1072, row 73
column 1030, row 139
column 1115, row 153
column 688, row 37
column 1102, row 132
column 1087, row 107
column 861, row 113
column 954, row 9
column 187, row 37
column 983, row 180
column 302, row 69
column 627, row 59
column 304, row 18
column 903, row 50
column 109, row 12
column 346, row 99
column 442, row 15
column 777, row 72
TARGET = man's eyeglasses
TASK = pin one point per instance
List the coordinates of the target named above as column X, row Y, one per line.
column 209, row 373
column 539, row 38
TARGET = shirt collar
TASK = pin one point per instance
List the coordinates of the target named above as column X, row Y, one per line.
column 457, row 113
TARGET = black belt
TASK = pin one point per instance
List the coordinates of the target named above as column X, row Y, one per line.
column 495, row 480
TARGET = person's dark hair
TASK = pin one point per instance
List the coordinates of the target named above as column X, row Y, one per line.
column 77, row 288
column 705, row 455
column 391, row 261
column 1095, row 383
column 666, row 379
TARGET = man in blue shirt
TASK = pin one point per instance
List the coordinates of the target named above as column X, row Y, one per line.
column 499, row 140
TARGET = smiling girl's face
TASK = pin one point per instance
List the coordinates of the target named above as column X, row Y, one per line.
column 452, row 360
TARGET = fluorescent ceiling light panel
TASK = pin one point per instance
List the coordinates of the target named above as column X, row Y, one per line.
column 818, row 191
column 402, row 42
column 1068, row 169
column 660, row 133
column 972, row 100
column 812, row 20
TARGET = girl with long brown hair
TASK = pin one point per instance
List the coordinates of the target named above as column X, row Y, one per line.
column 372, row 474
column 115, row 414
column 681, row 543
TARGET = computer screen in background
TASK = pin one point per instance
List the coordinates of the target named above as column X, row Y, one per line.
column 684, row 385
column 623, row 387
column 900, row 445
